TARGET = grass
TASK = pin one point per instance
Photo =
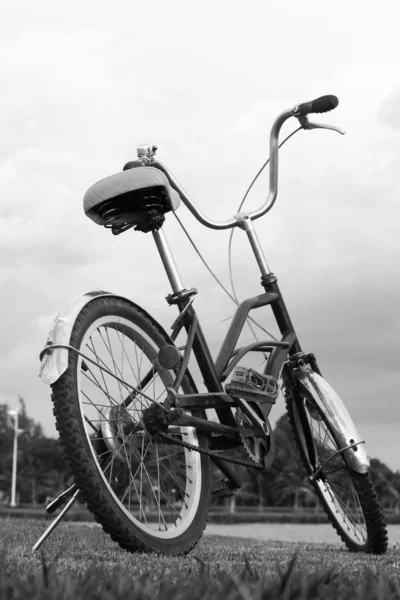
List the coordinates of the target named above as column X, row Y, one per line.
column 242, row 515
column 81, row 514
column 81, row 562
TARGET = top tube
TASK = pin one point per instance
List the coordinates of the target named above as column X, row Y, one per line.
column 273, row 181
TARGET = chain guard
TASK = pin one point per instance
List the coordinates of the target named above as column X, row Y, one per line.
column 212, row 453
column 258, row 446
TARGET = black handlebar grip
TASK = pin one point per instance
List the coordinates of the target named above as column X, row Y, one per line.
column 320, row 105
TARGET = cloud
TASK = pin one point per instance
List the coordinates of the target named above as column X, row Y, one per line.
column 253, row 116
column 81, row 94
column 32, row 226
column 389, row 109
column 8, row 173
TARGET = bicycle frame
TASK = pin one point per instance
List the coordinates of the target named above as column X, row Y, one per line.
column 288, row 350
column 299, row 372
column 214, row 373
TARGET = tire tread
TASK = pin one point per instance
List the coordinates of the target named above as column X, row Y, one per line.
column 377, row 542
column 75, row 446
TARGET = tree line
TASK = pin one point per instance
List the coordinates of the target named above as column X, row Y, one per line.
column 42, row 470
column 286, row 483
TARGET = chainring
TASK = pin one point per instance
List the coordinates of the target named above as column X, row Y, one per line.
column 256, row 446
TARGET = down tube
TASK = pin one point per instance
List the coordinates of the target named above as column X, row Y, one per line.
column 206, row 365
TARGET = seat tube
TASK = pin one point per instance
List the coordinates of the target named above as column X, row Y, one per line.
column 168, row 261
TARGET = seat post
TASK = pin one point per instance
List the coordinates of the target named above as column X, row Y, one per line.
column 168, row 260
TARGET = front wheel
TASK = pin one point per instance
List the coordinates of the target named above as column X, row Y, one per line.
column 148, row 492
column 348, row 497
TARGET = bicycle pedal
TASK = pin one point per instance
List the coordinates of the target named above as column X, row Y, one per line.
column 222, row 488
column 250, row 385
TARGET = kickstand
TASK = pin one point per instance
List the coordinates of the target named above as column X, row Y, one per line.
column 73, row 489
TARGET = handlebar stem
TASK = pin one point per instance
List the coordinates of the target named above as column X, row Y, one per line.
column 245, row 223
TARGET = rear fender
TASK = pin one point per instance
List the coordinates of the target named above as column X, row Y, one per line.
column 340, row 421
column 55, row 362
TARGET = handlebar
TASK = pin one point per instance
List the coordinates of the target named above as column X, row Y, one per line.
column 322, row 104
column 319, row 105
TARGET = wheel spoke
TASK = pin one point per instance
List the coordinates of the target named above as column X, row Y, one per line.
column 126, row 355
column 91, row 347
column 153, row 482
column 98, row 385
column 334, row 480
column 117, row 371
column 174, row 464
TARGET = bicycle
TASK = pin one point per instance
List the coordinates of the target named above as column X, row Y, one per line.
column 132, row 423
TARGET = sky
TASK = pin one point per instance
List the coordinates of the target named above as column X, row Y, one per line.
column 84, row 83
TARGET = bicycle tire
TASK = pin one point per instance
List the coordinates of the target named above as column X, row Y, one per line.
column 364, row 531
column 108, row 459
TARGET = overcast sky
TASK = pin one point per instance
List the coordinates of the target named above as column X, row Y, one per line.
column 84, row 83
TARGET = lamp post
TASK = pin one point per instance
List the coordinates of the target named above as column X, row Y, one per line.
column 14, row 413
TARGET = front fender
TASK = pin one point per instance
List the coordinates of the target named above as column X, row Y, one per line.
column 340, row 421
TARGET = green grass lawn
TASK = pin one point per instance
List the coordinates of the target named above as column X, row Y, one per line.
column 80, row 561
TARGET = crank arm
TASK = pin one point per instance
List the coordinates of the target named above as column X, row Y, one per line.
column 229, row 471
column 262, row 425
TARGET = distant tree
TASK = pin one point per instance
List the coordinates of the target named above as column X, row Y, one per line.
column 285, row 482
column 291, row 485
column 387, row 484
column 30, row 428
column 6, row 449
column 41, row 468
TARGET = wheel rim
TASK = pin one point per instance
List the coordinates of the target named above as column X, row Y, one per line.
column 155, row 483
column 334, row 480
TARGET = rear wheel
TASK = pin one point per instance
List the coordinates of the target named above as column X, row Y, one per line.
column 148, row 493
column 348, row 497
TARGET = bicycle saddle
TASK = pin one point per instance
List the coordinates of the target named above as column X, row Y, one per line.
column 135, row 197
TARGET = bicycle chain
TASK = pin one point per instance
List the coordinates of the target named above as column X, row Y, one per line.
column 237, row 461
column 211, row 453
